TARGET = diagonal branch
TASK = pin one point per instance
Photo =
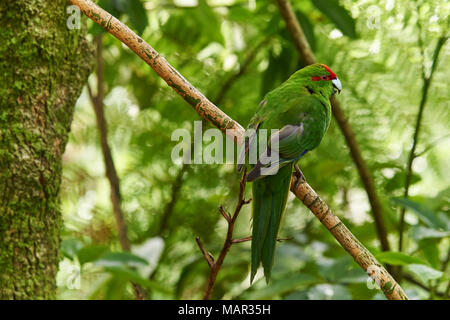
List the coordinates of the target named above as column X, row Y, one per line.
column 347, row 240
column 210, row 112
column 205, row 108
column 307, row 56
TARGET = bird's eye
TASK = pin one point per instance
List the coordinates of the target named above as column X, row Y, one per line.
column 324, row 77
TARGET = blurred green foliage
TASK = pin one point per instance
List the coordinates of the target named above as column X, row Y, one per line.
column 373, row 47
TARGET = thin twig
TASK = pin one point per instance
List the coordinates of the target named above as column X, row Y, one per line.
column 215, row 268
column 249, row 238
column 419, row 284
column 210, row 112
column 111, row 173
column 168, row 210
column 307, row 56
column 432, row 145
column 412, row 153
column 285, row 239
column 206, row 254
column 225, row 214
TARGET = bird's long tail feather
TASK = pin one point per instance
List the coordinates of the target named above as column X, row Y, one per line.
column 269, row 201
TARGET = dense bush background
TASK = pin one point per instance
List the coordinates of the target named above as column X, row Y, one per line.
column 378, row 49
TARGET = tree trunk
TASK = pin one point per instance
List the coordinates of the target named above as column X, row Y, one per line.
column 43, row 67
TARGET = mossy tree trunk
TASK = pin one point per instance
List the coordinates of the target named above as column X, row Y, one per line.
column 43, row 67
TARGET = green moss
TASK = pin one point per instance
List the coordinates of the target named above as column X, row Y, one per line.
column 51, row 65
column 388, row 287
column 191, row 100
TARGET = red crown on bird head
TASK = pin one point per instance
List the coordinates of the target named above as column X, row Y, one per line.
column 323, row 77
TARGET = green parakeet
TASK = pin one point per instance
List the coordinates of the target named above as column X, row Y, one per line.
column 300, row 108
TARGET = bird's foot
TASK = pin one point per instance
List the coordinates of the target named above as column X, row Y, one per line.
column 300, row 177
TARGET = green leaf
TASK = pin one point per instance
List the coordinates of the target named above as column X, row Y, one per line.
column 425, row 273
column 398, row 181
column 204, row 15
column 329, row 292
column 91, row 253
column 359, row 291
column 131, row 275
column 421, row 232
column 280, row 68
column 110, row 6
column 340, row 270
column 115, row 259
column 441, row 201
column 70, row 247
column 95, row 29
column 115, row 288
column 397, row 258
column 135, row 11
column 199, row 26
column 430, row 250
column 338, row 15
column 269, row 78
column 428, row 216
column 279, row 286
column 240, row 13
column 189, row 272
column 297, row 295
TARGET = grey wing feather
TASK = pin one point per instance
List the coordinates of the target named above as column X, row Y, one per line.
column 287, row 153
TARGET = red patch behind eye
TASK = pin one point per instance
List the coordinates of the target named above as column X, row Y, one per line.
column 330, row 77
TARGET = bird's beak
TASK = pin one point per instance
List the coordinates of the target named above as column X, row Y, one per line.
column 337, row 84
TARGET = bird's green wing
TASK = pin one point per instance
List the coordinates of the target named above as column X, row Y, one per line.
column 303, row 123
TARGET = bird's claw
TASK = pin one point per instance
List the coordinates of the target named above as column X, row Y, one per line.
column 300, row 177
